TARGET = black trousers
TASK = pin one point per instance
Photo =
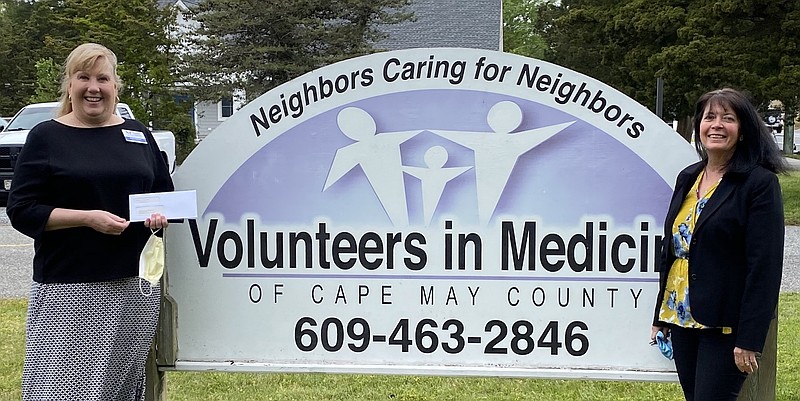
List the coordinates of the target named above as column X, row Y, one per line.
column 705, row 364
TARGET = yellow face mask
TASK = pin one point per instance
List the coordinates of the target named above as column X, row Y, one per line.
column 151, row 262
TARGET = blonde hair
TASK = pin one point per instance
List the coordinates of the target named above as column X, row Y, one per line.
column 83, row 58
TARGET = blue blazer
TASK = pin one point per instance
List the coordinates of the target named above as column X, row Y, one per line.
column 736, row 253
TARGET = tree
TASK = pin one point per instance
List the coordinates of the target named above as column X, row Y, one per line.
column 16, row 71
column 520, row 35
column 48, row 78
column 613, row 41
column 695, row 45
column 255, row 46
column 136, row 30
column 29, row 34
column 730, row 43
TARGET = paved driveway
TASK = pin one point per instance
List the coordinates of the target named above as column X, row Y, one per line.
column 16, row 257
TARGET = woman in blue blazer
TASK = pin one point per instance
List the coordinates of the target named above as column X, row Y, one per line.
column 723, row 250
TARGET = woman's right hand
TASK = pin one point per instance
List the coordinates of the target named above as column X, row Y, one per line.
column 98, row 220
column 105, row 222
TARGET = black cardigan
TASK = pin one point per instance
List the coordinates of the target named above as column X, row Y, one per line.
column 736, row 254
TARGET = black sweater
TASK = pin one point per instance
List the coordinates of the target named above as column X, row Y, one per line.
column 85, row 169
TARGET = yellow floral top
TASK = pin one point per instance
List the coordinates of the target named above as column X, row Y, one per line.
column 675, row 307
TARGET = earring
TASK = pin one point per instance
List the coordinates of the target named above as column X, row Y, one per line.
column 117, row 98
column 741, row 138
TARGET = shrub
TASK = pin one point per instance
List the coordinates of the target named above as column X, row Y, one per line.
column 185, row 133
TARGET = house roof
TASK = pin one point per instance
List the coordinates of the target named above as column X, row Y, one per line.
column 448, row 23
column 164, row 3
column 438, row 23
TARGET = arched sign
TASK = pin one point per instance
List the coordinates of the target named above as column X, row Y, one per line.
column 427, row 211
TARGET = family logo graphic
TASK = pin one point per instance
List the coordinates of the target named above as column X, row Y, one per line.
column 416, row 158
column 379, row 157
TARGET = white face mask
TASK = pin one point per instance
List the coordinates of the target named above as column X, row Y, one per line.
column 151, row 262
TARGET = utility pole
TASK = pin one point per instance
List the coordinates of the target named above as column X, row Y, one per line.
column 788, row 131
column 659, row 97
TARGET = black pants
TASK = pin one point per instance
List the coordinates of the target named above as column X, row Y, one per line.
column 705, row 364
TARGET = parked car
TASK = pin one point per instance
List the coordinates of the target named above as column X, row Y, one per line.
column 13, row 136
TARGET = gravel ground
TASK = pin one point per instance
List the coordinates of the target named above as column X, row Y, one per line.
column 16, row 253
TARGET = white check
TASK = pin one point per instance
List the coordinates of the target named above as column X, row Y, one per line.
column 173, row 205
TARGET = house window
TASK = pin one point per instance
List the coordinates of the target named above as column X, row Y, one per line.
column 229, row 104
column 226, row 107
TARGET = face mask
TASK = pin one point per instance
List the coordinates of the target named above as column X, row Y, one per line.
column 664, row 344
column 151, row 262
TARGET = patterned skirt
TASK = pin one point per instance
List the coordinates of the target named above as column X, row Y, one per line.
column 88, row 341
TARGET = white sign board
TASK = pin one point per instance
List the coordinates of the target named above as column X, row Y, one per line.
column 428, row 211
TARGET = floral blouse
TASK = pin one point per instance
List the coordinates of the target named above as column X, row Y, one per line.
column 675, row 307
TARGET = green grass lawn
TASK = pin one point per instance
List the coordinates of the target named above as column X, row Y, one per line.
column 791, row 197
column 196, row 386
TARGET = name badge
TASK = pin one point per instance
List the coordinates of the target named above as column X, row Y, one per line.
column 134, row 136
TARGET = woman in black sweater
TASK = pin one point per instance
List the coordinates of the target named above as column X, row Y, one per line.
column 89, row 327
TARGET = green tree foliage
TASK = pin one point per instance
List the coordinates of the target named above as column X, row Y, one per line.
column 695, row 45
column 255, row 45
column 48, row 80
column 136, row 30
column 613, row 41
column 185, row 134
column 17, row 72
column 520, row 35
column 30, row 33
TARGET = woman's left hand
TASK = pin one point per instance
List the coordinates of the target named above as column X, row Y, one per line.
column 156, row 221
column 745, row 360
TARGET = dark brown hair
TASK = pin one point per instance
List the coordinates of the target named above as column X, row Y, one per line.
column 756, row 146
